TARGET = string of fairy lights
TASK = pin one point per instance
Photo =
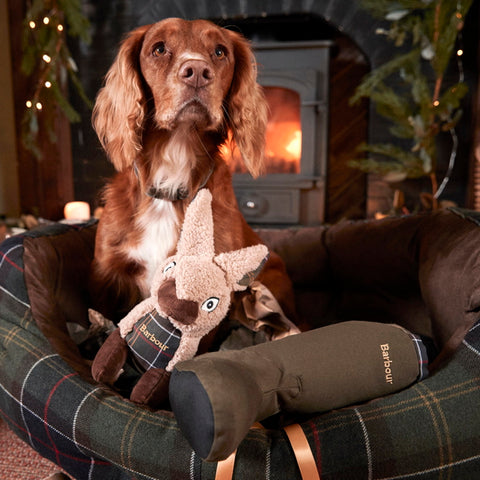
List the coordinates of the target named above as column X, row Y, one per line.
column 49, row 66
column 47, row 59
column 453, row 133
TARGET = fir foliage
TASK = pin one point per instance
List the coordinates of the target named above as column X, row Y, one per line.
column 46, row 26
column 410, row 90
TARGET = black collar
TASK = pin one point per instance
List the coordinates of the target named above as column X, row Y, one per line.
column 165, row 194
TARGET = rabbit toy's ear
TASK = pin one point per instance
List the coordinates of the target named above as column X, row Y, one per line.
column 242, row 266
column 197, row 231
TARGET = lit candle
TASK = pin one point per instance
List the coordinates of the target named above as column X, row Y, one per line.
column 77, row 211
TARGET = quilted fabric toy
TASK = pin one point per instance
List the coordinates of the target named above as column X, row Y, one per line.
column 190, row 295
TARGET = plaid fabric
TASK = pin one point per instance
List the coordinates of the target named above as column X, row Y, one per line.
column 429, row 431
column 153, row 340
column 422, row 356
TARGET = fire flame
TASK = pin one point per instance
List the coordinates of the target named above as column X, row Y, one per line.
column 283, row 136
column 283, row 147
column 295, row 146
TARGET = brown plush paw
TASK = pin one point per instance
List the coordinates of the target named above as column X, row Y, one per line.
column 152, row 389
column 110, row 359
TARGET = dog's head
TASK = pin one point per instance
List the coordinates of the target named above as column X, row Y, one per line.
column 175, row 73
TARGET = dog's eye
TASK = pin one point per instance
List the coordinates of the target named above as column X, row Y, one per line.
column 220, row 51
column 168, row 267
column 210, row 304
column 159, row 49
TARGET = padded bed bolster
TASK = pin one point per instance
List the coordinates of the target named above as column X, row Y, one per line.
column 56, row 276
column 419, row 271
column 402, row 263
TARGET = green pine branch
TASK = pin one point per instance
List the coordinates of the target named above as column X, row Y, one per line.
column 410, row 90
column 46, row 26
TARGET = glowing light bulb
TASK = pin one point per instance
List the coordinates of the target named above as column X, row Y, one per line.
column 29, row 104
column 47, row 58
column 32, row 24
column 39, row 106
column 436, row 103
column 459, row 52
column 48, row 84
column 60, row 27
column 46, row 20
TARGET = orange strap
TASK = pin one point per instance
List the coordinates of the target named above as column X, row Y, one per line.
column 225, row 468
column 302, row 451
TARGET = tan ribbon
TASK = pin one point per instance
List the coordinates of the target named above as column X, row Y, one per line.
column 302, row 451
column 225, row 468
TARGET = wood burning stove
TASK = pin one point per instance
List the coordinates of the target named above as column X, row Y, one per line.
column 295, row 76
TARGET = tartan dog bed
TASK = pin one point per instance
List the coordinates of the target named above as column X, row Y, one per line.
column 420, row 271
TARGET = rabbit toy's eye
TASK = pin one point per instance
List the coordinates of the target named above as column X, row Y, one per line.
column 210, row 304
column 168, row 267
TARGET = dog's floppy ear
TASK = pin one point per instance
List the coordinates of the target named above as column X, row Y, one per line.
column 120, row 106
column 247, row 107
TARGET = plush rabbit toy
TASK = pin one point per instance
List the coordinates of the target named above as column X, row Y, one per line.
column 190, row 295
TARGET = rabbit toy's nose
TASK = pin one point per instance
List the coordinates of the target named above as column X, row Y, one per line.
column 183, row 311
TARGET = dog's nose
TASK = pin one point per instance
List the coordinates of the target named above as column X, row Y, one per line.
column 196, row 73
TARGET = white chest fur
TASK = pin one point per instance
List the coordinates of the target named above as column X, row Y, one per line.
column 160, row 231
column 160, row 225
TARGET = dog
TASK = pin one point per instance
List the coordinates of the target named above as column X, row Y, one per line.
column 175, row 92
